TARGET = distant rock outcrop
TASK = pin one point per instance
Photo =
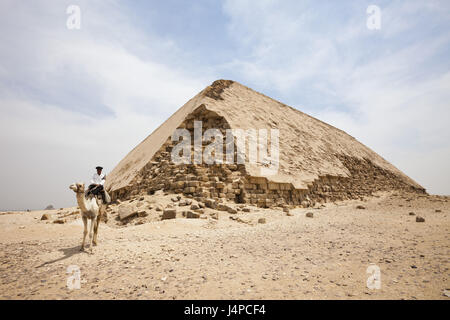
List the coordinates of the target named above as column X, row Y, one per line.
column 49, row 207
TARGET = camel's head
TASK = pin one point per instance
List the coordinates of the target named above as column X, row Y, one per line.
column 77, row 187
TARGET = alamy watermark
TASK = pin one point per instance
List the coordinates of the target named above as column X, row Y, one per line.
column 73, row 21
column 374, row 279
column 74, row 278
column 213, row 153
column 374, row 18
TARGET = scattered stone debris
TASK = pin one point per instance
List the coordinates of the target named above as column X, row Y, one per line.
column 126, row 212
column 184, row 203
column 224, row 207
column 309, row 214
column 46, row 216
column 142, row 214
column 262, row 220
column 420, row 219
column 59, row 221
column 360, row 207
column 192, row 215
column 437, row 210
column 412, row 214
column 210, row 203
column 169, row 213
column 232, row 210
column 239, row 219
column 215, row 216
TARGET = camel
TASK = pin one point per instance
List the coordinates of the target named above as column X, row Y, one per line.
column 92, row 208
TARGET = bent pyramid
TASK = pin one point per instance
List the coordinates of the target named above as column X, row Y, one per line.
column 317, row 162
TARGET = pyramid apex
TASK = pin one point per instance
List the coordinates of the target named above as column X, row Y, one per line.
column 215, row 90
column 219, row 82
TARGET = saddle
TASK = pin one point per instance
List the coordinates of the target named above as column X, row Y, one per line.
column 100, row 194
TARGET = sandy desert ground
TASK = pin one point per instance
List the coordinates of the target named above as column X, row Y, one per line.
column 288, row 257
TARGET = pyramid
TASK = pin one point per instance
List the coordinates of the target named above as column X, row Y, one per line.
column 317, row 162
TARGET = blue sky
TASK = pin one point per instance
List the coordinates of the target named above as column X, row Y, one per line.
column 72, row 99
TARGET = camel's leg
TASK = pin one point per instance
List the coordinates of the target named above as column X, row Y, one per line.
column 91, row 233
column 96, row 229
column 84, row 232
column 104, row 214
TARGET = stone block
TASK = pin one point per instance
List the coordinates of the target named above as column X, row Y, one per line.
column 192, row 215
column 273, row 186
column 169, row 213
column 126, row 211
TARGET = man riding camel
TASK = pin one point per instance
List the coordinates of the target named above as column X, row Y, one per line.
column 97, row 182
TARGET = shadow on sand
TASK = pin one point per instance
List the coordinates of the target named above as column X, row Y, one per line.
column 68, row 252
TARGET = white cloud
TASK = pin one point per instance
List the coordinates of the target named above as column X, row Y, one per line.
column 387, row 89
column 70, row 100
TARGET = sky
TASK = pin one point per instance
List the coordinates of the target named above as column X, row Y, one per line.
column 72, row 99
